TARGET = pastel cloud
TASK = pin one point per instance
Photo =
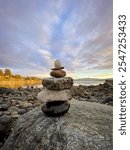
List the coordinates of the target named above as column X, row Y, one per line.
column 78, row 32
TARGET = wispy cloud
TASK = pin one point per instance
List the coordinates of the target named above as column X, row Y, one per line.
column 34, row 33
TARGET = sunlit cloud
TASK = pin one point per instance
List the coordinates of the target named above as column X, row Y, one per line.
column 35, row 33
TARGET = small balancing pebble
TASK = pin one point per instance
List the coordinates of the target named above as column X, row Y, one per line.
column 57, row 72
column 57, row 64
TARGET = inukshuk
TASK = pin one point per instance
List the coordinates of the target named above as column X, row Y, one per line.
column 56, row 95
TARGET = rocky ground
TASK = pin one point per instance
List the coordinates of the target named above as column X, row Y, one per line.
column 86, row 126
column 102, row 93
column 13, row 103
column 16, row 102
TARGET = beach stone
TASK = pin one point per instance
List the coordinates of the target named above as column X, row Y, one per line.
column 5, row 120
column 77, row 91
column 108, row 100
column 7, row 90
column 25, row 104
column 5, row 127
column 21, row 111
column 7, row 113
column 15, row 115
column 4, row 107
column 55, row 108
column 58, row 73
column 51, row 95
column 1, row 113
column 13, row 109
column 58, row 84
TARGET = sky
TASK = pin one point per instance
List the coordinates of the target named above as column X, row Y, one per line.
column 34, row 33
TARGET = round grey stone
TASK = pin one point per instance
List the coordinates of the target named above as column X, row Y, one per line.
column 4, row 107
column 21, row 111
column 53, row 95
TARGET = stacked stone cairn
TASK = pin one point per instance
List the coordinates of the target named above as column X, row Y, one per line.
column 56, row 94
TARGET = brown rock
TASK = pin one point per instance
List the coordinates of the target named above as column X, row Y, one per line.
column 15, row 115
column 77, row 91
column 4, row 107
column 58, row 73
column 25, row 104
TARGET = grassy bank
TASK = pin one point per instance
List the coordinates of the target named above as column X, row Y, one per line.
column 15, row 83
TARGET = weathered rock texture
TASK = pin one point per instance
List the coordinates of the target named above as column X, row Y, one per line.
column 58, row 84
column 87, row 126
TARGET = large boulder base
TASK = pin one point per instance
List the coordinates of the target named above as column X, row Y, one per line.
column 87, row 126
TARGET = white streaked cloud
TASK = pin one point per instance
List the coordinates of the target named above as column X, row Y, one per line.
column 35, row 33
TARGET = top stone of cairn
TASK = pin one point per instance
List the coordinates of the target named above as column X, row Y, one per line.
column 57, row 72
column 57, row 64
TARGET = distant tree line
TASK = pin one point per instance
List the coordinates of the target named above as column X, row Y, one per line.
column 8, row 74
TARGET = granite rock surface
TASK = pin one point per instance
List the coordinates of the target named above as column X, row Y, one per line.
column 87, row 126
